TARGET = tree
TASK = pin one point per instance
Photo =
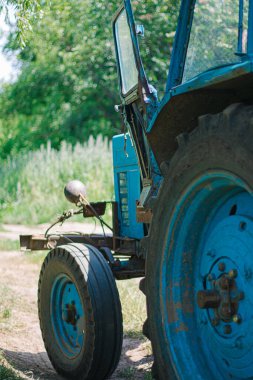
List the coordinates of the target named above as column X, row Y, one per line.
column 68, row 83
column 25, row 11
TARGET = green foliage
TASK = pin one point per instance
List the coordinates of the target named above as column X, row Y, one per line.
column 217, row 24
column 160, row 20
column 8, row 374
column 68, row 82
column 26, row 12
column 32, row 183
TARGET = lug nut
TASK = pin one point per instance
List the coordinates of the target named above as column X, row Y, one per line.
column 215, row 322
column 241, row 296
column 210, row 277
column 222, row 267
column 211, row 254
column 237, row 318
column 232, row 273
column 242, row 226
column 227, row 329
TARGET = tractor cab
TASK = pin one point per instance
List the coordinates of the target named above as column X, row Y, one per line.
column 212, row 46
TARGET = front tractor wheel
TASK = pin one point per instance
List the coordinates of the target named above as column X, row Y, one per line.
column 200, row 259
column 80, row 313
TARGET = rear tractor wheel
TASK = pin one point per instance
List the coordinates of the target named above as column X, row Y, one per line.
column 199, row 278
column 80, row 313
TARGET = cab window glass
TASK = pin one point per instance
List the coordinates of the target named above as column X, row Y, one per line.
column 128, row 70
column 159, row 19
column 214, row 36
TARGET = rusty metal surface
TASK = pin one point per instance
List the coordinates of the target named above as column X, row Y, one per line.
column 39, row 242
column 95, row 208
column 126, row 247
column 121, row 246
column 143, row 215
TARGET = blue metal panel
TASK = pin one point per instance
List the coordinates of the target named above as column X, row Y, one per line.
column 208, row 78
column 127, row 185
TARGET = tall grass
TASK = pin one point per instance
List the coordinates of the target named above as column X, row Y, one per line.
column 31, row 190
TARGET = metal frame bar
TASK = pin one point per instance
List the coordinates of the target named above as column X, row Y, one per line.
column 180, row 44
column 240, row 27
column 250, row 29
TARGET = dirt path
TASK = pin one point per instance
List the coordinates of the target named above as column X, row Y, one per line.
column 20, row 338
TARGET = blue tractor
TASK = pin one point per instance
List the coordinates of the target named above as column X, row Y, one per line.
column 182, row 215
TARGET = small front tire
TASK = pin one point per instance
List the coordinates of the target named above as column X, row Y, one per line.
column 80, row 313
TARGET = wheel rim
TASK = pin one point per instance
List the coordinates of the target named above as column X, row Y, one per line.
column 67, row 316
column 207, row 278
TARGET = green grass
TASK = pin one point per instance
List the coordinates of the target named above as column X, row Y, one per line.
column 128, row 373
column 133, row 307
column 36, row 257
column 9, row 245
column 7, row 301
column 7, row 372
column 148, row 376
column 32, row 183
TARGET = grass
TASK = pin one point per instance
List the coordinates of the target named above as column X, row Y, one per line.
column 32, row 183
column 7, row 302
column 7, row 372
column 133, row 307
column 128, row 373
column 36, row 257
column 9, row 245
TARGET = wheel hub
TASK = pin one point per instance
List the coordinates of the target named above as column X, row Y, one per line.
column 70, row 315
column 223, row 297
column 67, row 316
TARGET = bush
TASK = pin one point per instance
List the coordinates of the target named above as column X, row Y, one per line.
column 32, row 183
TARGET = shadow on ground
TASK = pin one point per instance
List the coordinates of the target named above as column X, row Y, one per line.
column 132, row 365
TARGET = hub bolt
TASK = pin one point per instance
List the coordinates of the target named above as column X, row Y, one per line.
column 227, row 329
column 232, row 273
column 215, row 322
column 242, row 226
column 208, row 299
column 237, row 318
column 222, row 267
column 210, row 277
column 241, row 296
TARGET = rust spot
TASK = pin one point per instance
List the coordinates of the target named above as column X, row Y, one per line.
column 182, row 327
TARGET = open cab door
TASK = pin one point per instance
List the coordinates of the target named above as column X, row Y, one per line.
column 138, row 97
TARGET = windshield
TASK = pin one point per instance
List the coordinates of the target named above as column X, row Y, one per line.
column 128, row 70
column 159, row 19
column 214, row 35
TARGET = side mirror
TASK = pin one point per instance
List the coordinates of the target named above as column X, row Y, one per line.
column 140, row 31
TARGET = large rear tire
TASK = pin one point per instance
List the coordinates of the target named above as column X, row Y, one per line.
column 80, row 313
column 201, row 245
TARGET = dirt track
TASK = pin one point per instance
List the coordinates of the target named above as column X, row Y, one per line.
column 20, row 339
